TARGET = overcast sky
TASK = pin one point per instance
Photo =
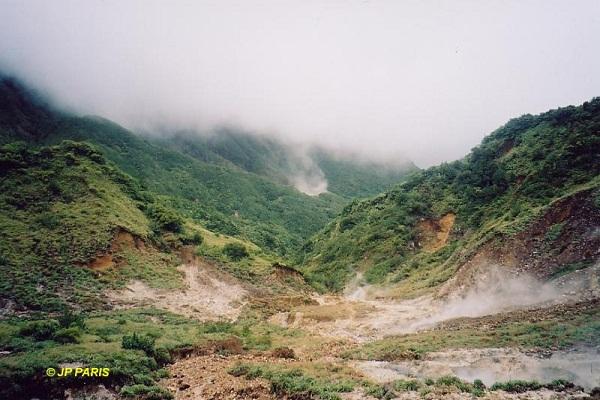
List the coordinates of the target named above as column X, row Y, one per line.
column 423, row 79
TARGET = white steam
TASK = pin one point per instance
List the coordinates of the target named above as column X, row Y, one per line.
column 306, row 176
column 495, row 291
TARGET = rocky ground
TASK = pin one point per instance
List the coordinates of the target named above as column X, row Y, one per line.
column 361, row 316
column 335, row 324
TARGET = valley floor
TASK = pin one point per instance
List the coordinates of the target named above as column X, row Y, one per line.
column 508, row 337
column 363, row 346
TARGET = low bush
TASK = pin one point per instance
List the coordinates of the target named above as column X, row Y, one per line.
column 379, row 392
column 193, row 239
column 294, row 383
column 215, row 327
column 465, row 387
column 67, row 335
column 139, row 342
column 40, row 330
column 165, row 219
column 283, row 352
column 402, row 385
column 69, row 319
column 145, row 392
column 516, row 386
column 560, row 385
column 162, row 356
column 235, row 251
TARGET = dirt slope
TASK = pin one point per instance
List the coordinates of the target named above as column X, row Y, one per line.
column 208, row 294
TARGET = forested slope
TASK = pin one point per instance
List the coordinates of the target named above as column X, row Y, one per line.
column 536, row 174
column 346, row 175
column 224, row 199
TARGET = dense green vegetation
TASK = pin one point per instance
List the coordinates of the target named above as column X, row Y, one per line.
column 63, row 206
column 134, row 344
column 346, row 176
column 498, row 189
column 59, row 207
column 85, row 206
column 351, row 177
column 223, row 198
column 235, row 251
column 326, row 381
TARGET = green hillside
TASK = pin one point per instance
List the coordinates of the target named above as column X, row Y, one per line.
column 60, row 206
column 228, row 147
column 224, row 199
column 353, row 178
column 419, row 232
column 271, row 158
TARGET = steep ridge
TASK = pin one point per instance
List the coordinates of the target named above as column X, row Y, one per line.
column 527, row 198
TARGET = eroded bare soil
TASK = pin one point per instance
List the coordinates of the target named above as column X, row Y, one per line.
column 208, row 294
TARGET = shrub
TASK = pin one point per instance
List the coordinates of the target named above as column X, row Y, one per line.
column 235, row 251
column 139, row 342
column 456, row 382
column 162, row 356
column 554, row 232
column 146, row 392
column 347, row 223
column 48, row 220
column 40, row 330
column 478, row 384
column 560, row 385
column 379, row 392
column 165, row 219
column 283, row 352
column 407, row 385
column 215, row 327
column 67, row 335
column 69, row 319
column 143, row 379
column 239, row 370
column 516, row 386
column 193, row 239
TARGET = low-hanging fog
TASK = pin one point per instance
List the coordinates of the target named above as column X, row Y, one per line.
column 424, row 80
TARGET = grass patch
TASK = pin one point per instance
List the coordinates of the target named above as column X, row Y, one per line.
column 133, row 343
column 324, row 381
